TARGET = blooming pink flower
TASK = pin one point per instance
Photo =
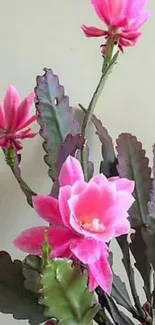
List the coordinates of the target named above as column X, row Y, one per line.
column 14, row 118
column 123, row 19
column 84, row 218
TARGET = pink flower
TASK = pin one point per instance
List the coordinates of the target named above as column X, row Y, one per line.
column 14, row 118
column 84, row 218
column 123, row 19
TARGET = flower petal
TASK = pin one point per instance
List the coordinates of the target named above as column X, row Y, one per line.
column 4, row 143
column 131, row 36
column 102, row 274
column 2, row 121
column 48, row 208
column 78, row 187
column 92, row 31
column 99, row 180
column 26, row 134
column 125, row 200
column 71, row 172
column 125, row 42
column 28, row 121
column 123, row 183
column 136, row 7
column 87, row 250
column 16, row 144
column 23, row 110
column 139, row 21
column 11, row 102
column 122, row 227
column 30, row 240
column 84, row 212
column 64, row 195
column 93, row 201
column 60, row 239
column 115, row 218
column 84, row 206
column 102, row 10
column 92, row 282
column 116, row 8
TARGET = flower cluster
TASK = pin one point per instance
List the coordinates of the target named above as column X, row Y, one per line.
column 123, row 19
column 14, row 118
column 82, row 221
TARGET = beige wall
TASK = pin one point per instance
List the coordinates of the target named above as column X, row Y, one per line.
column 36, row 34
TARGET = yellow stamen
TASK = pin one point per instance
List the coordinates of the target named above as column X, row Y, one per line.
column 92, row 225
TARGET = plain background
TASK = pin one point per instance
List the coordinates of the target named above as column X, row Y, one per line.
column 37, row 34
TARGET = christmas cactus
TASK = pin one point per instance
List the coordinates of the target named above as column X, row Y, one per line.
column 67, row 278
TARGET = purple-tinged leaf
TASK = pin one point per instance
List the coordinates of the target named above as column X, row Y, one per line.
column 70, row 146
column 149, row 236
column 90, row 165
column 14, row 298
column 108, row 165
column 149, row 231
column 119, row 291
column 108, row 303
column 124, row 246
column 31, row 271
column 133, row 164
column 55, row 117
column 151, row 203
column 142, row 263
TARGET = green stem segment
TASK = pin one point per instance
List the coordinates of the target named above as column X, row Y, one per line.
column 108, row 63
column 46, row 249
column 10, row 156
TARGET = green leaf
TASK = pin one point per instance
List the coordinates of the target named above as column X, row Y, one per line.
column 65, row 294
column 55, row 117
column 14, row 298
column 133, row 164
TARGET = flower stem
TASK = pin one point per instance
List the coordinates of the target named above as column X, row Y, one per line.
column 14, row 166
column 108, row 63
